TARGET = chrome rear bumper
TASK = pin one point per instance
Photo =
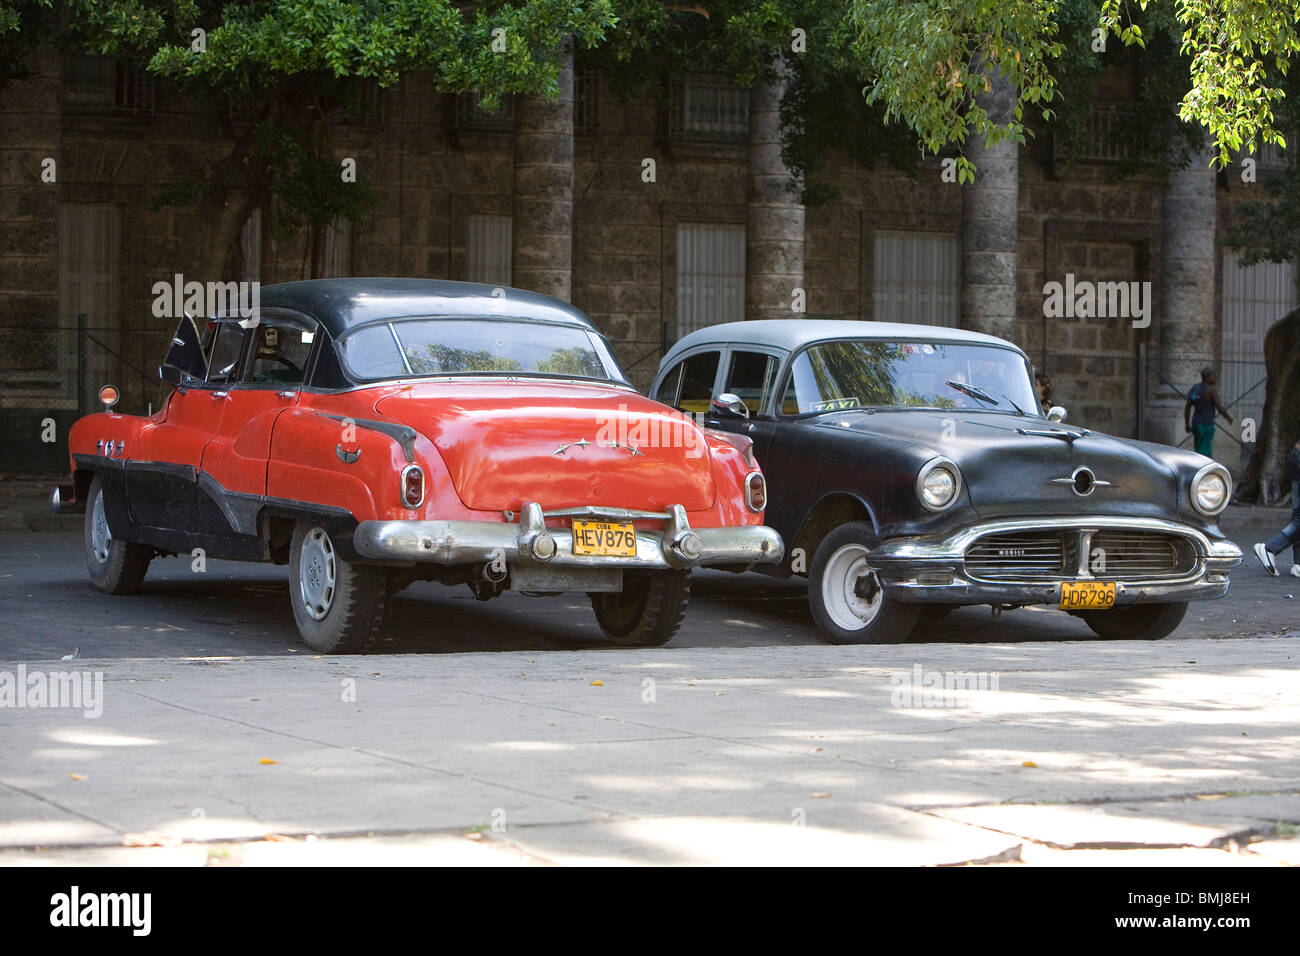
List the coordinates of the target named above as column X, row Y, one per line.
column 932, row 569
column 531, row 541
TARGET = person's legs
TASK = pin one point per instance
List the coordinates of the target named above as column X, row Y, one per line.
column 1290, row 535
column 1203, row 439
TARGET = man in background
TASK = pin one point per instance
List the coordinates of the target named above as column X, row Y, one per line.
column 1198, row 413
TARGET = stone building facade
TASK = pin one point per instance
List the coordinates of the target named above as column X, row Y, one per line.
column 654, row 216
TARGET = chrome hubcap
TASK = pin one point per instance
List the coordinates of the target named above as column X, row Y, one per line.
column 851, row 591
column 100, row 537
column 316, row 570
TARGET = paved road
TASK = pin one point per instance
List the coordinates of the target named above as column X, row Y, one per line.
column 1110, row 753
column 47, row 608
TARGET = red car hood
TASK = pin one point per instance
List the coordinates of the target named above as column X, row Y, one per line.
column 507, row 443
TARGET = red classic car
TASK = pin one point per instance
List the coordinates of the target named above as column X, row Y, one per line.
column 374, row 432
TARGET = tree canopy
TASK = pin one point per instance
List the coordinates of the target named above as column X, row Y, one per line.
column 929, row 60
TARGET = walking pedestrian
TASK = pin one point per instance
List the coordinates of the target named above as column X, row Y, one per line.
column 1290, row 535
column 1203, row 398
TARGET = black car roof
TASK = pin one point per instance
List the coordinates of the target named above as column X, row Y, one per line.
column 343, row 304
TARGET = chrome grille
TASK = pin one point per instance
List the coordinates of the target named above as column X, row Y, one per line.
column 1053, row 555
column 1142, row 554
column 1023, row 555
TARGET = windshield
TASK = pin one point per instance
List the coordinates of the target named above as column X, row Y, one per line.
column 432, row 346
column 836, row 376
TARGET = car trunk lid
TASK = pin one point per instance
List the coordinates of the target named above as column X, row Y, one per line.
column 561, row 444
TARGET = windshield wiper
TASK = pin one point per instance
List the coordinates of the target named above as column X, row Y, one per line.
column 974, row 391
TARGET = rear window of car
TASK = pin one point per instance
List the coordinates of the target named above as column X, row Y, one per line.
column 412, row 347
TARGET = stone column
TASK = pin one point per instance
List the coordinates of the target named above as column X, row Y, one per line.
column 1187, row 272
column 542, row 233
column 990, row 225
column 774, row 233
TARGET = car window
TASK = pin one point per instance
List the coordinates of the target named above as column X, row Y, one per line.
column 698, row 375
column 847, row 374
column 667, row 392
column 280, row 353
column 223, row 344
column 750, row 378
column 436, row 346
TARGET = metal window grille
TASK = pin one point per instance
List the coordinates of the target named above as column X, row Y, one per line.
column 917, row 278
column 709, row 107
column 1254, row 298
column 99, row 82
column 586, row 101
column 487, row 249
column 710, row 275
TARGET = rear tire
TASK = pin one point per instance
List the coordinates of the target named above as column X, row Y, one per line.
column 847, row 599
column 115, row 566
column 1136, row 622
column 647, row 612
column 337, row 605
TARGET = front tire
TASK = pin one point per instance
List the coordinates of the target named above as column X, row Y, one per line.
column 647, row 612
column 115, row 566
column 847, row 599
column 1136, row 622
column 337, row 605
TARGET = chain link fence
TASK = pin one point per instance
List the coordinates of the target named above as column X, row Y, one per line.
column 50, row 377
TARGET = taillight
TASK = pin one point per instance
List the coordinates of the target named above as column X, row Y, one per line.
column 412, row 486
column 755, row 492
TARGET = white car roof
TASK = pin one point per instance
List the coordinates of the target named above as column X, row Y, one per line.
column 790, row 334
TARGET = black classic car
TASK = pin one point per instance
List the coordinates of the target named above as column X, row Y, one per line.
column 912, row 469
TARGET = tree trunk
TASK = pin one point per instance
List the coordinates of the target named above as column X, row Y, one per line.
column 228, row 201
column 1266, row 480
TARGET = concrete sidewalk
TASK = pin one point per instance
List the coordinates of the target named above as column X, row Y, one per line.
column 1073, row 753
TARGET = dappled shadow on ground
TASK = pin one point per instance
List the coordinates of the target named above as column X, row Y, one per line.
column 243, row 609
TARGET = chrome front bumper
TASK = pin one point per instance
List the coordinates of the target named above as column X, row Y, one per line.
column 932, row 569
column 531, row 542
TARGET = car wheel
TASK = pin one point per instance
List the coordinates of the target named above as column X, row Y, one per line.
column 115, row 566
column 1136, row 622
column 847, row 600
column 647, row 612
column 338, row 605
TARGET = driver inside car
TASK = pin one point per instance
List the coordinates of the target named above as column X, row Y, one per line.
column 270, row 364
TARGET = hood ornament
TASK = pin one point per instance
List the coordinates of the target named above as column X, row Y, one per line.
column 1083, row 482
column 583, row 443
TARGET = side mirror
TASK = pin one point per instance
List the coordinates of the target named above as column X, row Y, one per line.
column 729, row 406
column 1056, row 413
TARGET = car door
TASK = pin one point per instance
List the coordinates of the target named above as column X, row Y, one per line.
column 276, row 363
column 166, row 458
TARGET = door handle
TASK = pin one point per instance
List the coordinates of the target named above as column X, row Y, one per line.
column 220, row 394
column 286, row 394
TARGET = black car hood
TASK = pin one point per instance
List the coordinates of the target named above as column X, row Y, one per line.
column 1010, row 464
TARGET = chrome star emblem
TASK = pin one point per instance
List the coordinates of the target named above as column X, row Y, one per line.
column 632, row 448
column 580, row 443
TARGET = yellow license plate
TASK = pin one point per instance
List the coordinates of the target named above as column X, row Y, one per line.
column 605, row 539
column 1087, row 596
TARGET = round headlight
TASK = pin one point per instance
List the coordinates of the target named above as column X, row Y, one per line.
column 1211, row 489
column 938, row 484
